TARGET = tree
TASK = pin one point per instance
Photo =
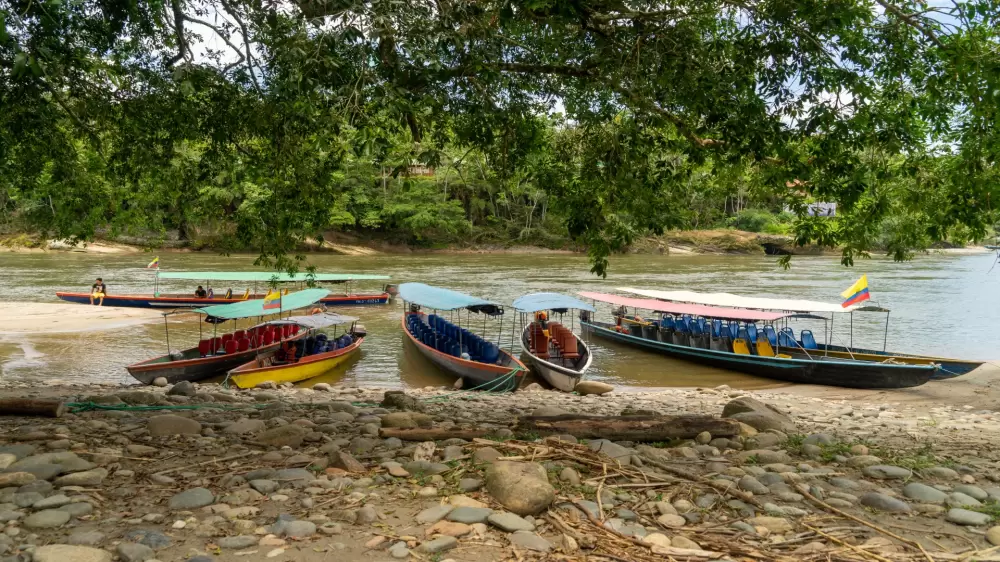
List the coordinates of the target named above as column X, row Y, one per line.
column 800, row 90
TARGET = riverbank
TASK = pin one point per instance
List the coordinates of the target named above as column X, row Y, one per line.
column 309, row 473
column 709, row 242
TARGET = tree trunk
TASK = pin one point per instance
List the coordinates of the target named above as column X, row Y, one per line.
column 29, row 407
column 628, row 428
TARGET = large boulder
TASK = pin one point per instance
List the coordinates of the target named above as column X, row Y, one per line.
column 401, row 401
column 758, row 415
column 521, row 487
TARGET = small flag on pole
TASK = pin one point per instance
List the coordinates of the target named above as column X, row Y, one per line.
column 155, row 264
column 856, row 293
column 272, row 300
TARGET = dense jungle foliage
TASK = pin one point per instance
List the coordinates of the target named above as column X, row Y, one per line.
column 600, row 121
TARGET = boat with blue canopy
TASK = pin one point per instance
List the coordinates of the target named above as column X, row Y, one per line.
column 476, row 358
column 217, row 354
column 729, row 338
column 258, row 284
column 552, row 350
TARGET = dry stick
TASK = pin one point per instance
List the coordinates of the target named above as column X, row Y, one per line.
column 861, row 551
column 990, row 550
column 600, row 485
column 234, row 457
column 695, row 478
column 831, row 509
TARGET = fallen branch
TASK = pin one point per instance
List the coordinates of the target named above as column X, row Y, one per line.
column 627, row 428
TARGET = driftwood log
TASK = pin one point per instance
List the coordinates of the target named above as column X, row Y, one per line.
column 615, row 428
column 29, row 407
column 627, row 428
column 432, row 434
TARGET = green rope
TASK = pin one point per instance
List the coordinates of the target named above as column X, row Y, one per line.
column 75, row 407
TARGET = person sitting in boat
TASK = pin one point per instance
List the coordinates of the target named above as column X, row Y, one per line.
column 97, row 291
column 200, row 293
column 543, row 320
column 285, row 354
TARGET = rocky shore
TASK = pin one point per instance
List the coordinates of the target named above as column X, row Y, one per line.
column 201, row 473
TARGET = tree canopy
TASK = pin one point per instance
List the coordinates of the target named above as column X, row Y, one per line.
column 121, row 113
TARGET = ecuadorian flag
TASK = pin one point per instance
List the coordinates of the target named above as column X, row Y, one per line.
column 155, row 264
column 272, row 300
column 856, row 293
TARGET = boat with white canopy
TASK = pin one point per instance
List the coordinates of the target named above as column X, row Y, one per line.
column 949, row 368
column 317, row 352
column 553, row 351
column 704, row 334
column 474, row 358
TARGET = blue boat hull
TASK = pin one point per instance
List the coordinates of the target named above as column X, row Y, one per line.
column 171, row 302
column 848, row 374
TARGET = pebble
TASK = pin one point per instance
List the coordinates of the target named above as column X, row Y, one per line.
column 530, row 541
column 958, row 499
column 993, row 536
column 924, row 493
column 883, row 502
column 510, row 522
column 469, row 514
column 191, row 499
column 298, row 529
column 966, row 517
column 772, row 524
column 237, row 542
column 941, row 472
column 449, row 528
column 440, row 544
column 751, row 484
column 70, row 553
column 671, row 521
column 470, row 484
column 973, row 491
column 684, row 542
column 886, row 472
column 87, row 478
column 46, row 519
column 433, row 514
column 86, row 538
column 132, row 552
column 170, row 424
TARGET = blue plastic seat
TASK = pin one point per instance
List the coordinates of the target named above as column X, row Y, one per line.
column 772, row 336
column 716, row 328
column 725, row 333
column 752, row 332
column 808, row 341
column 491, row 353
column 744, row 335
column 700, row 325
column 786, row 338
column 668, row 323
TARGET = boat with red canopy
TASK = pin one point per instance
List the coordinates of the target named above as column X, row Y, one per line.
column 728, row 338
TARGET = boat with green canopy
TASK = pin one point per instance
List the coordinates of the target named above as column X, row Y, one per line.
column 217, row 354
column 258, row 285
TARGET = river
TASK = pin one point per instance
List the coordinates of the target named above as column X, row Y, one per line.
column 942, row 304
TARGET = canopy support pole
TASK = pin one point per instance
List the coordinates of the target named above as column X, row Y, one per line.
column 830, row 340
column 513, row 331
column 166, row 328
column 885, row 339
column 852, row 329
column 500, row 333
column 156, row 283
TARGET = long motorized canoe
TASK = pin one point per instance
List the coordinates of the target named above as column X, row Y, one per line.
column 550, row 349
column 259, row 279
column 478, row 362
column 317, row 355
column 217, row 355
column 702, row 346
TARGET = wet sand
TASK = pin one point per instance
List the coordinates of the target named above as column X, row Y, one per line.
column 52, row 318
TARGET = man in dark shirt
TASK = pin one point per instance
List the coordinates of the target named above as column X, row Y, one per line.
column 97, row 291
column 201, row 293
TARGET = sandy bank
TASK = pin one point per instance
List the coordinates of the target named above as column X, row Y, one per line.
column 50, row 318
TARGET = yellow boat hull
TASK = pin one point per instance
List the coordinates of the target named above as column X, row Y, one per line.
column 261, row 370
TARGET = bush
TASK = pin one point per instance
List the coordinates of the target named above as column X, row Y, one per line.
column 760, row 220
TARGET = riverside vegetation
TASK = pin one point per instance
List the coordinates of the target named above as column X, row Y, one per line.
column 306, row 474
column 245, row 126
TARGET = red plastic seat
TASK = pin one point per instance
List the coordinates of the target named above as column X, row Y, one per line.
column 239, row 334
column 204, row 347
column 294, row 329
column 231, row 346
column 216, row 345
column 226, row 338
column 569, row 347
column 243, row 344
column 268, row 338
